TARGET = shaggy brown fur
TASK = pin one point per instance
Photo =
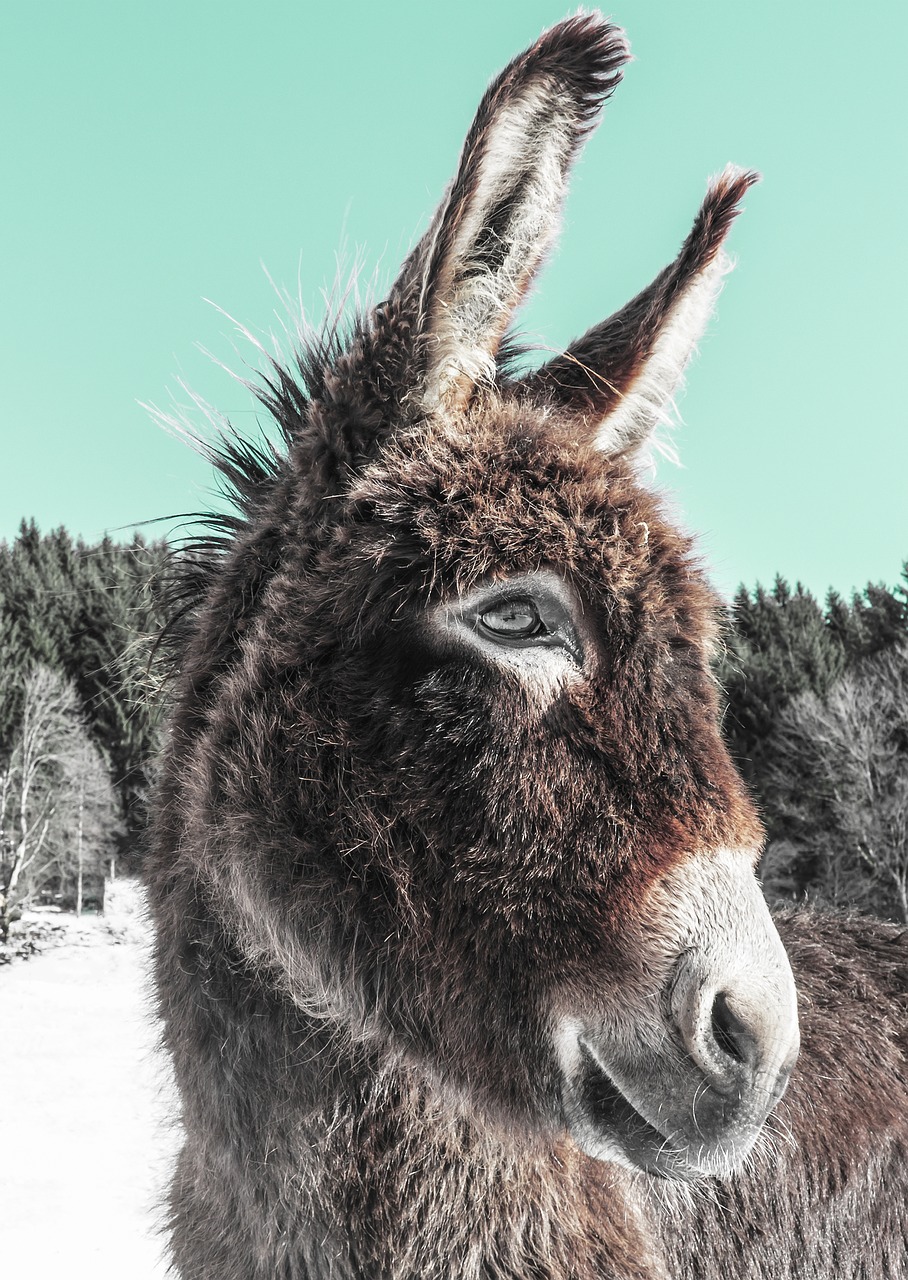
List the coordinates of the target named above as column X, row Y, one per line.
column 406, row 844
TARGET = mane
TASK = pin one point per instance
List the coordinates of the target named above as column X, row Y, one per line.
column 247, row 468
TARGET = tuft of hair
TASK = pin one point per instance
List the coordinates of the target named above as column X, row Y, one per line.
column 247, row 469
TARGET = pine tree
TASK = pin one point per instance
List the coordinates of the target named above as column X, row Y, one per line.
column 88, row 612
column 778, row 645
column 840, row 785
column 784, row 656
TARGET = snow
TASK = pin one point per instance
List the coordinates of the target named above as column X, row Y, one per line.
column 87, row 1105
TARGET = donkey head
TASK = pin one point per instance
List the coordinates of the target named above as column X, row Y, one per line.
column 457, row 768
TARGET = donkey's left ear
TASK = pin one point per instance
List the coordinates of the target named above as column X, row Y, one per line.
column 618, row 381
column 487, row 241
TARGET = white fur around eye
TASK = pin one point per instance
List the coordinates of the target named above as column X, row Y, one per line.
column 544, row 671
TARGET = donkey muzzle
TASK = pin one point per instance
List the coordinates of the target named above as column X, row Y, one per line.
column 682, row 1084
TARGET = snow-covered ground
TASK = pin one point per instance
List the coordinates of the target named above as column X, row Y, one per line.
column 86, row 1136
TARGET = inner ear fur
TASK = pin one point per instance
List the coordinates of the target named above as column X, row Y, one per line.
column 491, row 234
column 618, row 380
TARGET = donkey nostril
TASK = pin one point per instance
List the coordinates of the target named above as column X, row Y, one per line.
column 729, row 1032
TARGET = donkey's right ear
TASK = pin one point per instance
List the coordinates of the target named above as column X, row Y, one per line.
column 479, row 257
column 617, row 382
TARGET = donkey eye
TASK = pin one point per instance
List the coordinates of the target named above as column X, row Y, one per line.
column 528, row 623
column 513, row 619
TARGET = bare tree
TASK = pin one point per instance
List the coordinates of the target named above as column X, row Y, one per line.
column 88, row 814
column 841, row 777
column 37, row 782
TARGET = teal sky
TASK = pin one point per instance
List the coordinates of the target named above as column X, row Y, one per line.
column 155, row 155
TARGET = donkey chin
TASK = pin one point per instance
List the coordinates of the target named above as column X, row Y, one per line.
column 680, row 1080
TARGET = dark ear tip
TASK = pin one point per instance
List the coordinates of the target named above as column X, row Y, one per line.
column 591, row 31
column 587, row 50
column 733, row 183
column 721, row 206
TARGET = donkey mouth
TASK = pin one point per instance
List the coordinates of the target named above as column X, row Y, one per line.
column 606, row 1125
column 608, row 1112
column 605, row 1118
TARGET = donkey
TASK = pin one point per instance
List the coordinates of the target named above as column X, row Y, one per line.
column 463, row 964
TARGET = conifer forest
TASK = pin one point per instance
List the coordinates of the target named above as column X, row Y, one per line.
column 816, row 714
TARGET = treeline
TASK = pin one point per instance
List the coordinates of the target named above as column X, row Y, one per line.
column 816, row 716
column 78, row 727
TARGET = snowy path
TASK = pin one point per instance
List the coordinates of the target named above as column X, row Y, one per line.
column 84, row 1096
